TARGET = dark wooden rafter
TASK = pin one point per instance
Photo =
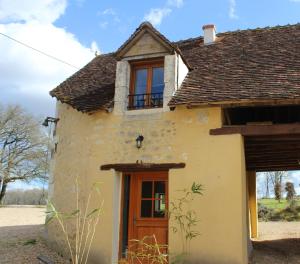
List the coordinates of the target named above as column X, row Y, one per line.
column 130, row 167
column 273, row 168
column 271, row 153
column 227, row 116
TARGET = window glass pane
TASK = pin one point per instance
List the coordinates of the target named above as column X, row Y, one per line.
column 159, row 189
column 147, row 189
column 140, row 88
column 159, row 193
column 158, row 80
column 141, row 81
column 159, row 207
column 146, row 208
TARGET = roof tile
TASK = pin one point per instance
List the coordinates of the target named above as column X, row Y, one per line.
column 247, row 65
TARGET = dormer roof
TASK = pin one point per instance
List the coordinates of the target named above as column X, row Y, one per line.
column 145, row 28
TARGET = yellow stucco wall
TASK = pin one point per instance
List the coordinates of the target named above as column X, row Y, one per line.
column 87, row 141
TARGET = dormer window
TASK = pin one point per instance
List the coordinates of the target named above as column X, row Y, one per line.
column 146, row 85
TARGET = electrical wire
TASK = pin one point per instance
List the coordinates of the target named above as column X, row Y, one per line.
column 39, row 51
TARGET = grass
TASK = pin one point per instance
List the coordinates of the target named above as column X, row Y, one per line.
column 278, row 211
column 30, row 242
column 274, row 204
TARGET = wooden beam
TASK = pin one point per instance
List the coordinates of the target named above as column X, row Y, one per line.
column 227, row 117
column 270, row 168
column 274, row 145
column 252, row 201
column 274, row 139
column 258, row 130
column 271, row 150
column 129, row 167
column 274, row 163
column 242, row 103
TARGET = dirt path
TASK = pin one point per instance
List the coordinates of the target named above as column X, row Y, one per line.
column 21, row 229
column 278, row 230
column 278, row 243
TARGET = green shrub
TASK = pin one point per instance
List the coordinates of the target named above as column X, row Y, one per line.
column 264, row 213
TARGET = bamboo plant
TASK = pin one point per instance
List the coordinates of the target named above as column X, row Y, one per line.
column 85, row 221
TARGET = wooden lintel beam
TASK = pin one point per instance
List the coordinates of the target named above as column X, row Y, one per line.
column 130, row 167
column 258, row 130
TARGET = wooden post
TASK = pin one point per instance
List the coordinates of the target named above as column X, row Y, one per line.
column 251, row 179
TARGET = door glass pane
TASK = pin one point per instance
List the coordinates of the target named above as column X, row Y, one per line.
column 147, row 189
column 159, row 207
column 159, row 193
column 146, row 208
column 158, row 80
column 159, row 189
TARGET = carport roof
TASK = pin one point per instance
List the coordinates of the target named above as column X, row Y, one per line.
column 268, row 147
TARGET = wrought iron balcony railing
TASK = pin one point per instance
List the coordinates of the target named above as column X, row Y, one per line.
column 142, row 101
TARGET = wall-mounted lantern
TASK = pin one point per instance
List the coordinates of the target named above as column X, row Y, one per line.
column 48, row 120
column 139, row 141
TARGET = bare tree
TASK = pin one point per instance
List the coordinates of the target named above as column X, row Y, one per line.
column 290, row 191
column 275, row 179
column 267, row 185
column 23, row 148
column 29, row 197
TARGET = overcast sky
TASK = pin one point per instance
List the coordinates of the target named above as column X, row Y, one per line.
column 72, row 30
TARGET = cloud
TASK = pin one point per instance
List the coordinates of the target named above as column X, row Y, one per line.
column 156, row 15
column 232, row 9
column 176, row 3
column 109, row 11
column 104, row 24
column 27, row 76
column 46, row 11
column 94, row 47
column 109, row 16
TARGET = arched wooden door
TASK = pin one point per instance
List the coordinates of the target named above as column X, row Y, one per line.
column 148, row 219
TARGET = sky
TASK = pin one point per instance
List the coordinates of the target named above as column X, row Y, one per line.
column 74, row 30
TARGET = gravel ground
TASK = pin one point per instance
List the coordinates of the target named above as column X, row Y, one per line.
column 278, row 243
column 21, row 225
column 278, row 230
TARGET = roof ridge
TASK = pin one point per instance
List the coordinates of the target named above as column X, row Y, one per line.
column 181, row 41
column 259, row 28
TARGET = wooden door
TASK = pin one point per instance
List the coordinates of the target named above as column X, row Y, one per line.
column 148, row 219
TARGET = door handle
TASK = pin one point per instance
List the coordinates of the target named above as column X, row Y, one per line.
column 134, row 220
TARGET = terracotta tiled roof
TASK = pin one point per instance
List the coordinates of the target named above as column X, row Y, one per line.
column 249, row 65
column 91, row 88
column 257, row 65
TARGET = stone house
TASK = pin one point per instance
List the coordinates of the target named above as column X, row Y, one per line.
column 156, row 116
